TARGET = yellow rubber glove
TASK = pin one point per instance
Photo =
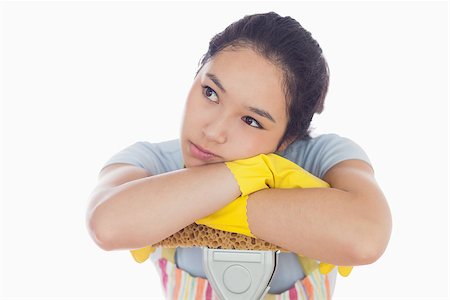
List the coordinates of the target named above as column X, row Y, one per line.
column 252, row 174
column 325, row 268
column 142, row 254
column 232, row 217
column 271, row 171
column 288, row 175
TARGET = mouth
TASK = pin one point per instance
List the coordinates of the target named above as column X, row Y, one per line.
column 201, row 153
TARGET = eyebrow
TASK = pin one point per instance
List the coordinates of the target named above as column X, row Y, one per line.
column 262, row 113
column 216, row 81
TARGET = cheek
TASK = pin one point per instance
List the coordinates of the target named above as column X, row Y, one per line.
column 248, row 145
column 192, row 113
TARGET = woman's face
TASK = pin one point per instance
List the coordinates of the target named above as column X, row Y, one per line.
column 236, row 108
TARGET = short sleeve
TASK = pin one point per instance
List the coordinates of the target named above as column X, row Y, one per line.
column 317, row 155
column 155, row 158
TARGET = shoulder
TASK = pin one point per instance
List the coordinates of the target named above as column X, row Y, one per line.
column 318, row 154
column 155, row 158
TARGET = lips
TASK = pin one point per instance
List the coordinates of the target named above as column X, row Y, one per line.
column 200, row 153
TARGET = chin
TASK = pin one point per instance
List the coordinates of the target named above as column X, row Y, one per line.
column 190, row 162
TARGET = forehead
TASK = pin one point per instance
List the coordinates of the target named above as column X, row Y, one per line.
column 249, row 78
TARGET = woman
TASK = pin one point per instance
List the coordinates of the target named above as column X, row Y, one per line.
column 256, row 91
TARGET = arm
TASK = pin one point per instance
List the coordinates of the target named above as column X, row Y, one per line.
column 130, row 209
column 347, row 224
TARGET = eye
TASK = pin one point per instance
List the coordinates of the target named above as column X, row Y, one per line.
column 252, row 122
column 210, row 93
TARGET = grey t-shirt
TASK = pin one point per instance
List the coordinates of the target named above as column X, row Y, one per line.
column 316, row 155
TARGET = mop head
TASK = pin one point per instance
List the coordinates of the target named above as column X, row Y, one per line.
column 196, row 235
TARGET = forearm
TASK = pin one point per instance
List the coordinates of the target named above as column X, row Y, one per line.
column 145, row 211
column 327, row 224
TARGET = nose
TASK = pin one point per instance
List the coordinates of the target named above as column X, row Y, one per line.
column 216, row 130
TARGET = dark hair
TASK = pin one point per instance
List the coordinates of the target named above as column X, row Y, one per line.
column 288, row 45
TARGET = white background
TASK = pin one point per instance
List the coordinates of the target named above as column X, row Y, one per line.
column 82, row 80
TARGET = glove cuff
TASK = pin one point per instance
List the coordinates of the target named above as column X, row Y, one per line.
column 232, row 218
column 252, row 174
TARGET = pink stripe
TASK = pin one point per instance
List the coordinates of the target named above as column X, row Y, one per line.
column 293, row 294
column 162, row 265
column 208, row 295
